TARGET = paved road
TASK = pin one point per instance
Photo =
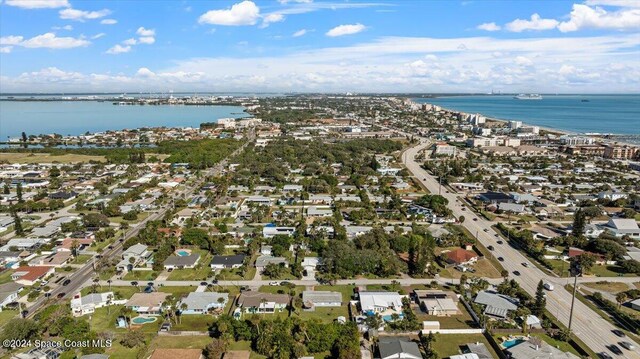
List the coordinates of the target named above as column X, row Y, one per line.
column 587, row 325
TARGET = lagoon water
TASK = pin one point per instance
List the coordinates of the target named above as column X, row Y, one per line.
column 77, row 117
column 615, row 114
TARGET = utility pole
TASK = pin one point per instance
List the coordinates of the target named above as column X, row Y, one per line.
column 575, row 270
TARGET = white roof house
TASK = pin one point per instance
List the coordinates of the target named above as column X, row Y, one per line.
column 376, row 302
column 202, row 302
column 81, row 305
column 624, row 226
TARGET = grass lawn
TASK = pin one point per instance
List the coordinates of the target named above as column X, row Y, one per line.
column 5, row 276
column 609, row 271
column 564, row 346
column 82, row 259
column 561, row 268
column 612, row 287
column 245, row 345
column 120, row 292
column 236, row 274
column 6, row 315
column 138, row 275
column 199, row 273
column 325, row 314
column 193, row 322
column 461, row 321
column 483, row 268
column 386, row 287
column 182, row 342
column 447, row 345
column 47, row 158
column 637, row 284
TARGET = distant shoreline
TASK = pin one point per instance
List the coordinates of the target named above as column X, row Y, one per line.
column 551, row 130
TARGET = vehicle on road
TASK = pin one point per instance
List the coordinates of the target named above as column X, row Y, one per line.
column 604, row 355
column 463, row 208
column 614, row 349
column 170, row 270
column 627, row 345
column 204, row 283
column 490, row 248
column 516, row 272
column 548, row 286
column 60, row 295
column 486, row 230
column 501, row 259
column 66, row 282
column 285, row 283
column 274, row 283
column 525, row 264
column 475, row 219
column 499, row 242
column 619, row 333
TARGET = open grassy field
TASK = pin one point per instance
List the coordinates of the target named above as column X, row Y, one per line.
column 612, row 287
column 326, row 314
column 483, row 268
column 447, row 345
column 141, row 275
column 5, row 276
column 47, row 158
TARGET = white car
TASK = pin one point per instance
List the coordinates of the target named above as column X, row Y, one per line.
column 274, row 283
column 548, row 286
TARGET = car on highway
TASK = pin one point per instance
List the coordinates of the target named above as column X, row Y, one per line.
column 619, row 333
column 516, row 272
column 614, row 349
column 463, row 208
column 604, row 355
column 548, row 286
column 66, row 282
column 486, row 230
column 525, row 264
column 627, row 345
column 475, row 219
column 274, row 283
column 501, row 259
column 490, row 248
column 60, row 295
column 204, row 283
column 499, row 242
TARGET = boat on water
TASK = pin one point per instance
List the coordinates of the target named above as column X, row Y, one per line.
column 530, row 96
column 584, row 100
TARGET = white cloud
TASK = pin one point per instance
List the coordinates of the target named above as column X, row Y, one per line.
column 145, row 32
column 145, row 72
column 5, row 49
column 489, row 26
column 51, row 41
column 118, row 49
column 109, row 22
column 81, row 15
column 617, row 3
column 65, row 27
column 271, row 18
column 300, row 32
column 11, row 40
column 243, row 13
column 147, row 40
column 583, row 17
column 131, row 41
column 38, row 4
column 97, row 36
column 535, row 23
column 523, row 61
column 342, row 30
column 389, row 64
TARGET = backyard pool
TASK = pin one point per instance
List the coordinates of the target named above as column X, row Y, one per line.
column 143, row 320
column 511, row 342
column 183, row 253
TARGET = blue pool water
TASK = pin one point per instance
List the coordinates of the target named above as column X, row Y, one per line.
column 143, row 320
column 511, row 342
column 182, row 253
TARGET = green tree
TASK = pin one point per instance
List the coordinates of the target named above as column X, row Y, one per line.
column 215, row 349
column 19, row 192
column 540, row 301
column 579, row 223
column 20, row 329
column 17, row 224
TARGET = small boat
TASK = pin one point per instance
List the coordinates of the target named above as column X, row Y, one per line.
column 584, row 100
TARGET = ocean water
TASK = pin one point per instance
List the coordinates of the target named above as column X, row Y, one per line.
column 612, row 114
column 78, row 117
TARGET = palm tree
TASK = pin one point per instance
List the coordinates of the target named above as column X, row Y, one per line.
column 621, row 298
column 183, row 307
column 109, row 282
column 109, row 299
column 126, row 312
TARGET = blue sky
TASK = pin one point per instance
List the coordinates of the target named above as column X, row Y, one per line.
column 305, row 45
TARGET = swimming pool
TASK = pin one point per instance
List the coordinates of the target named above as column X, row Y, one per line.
column 143, row 320
column 183, row 253
column 511, row 342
